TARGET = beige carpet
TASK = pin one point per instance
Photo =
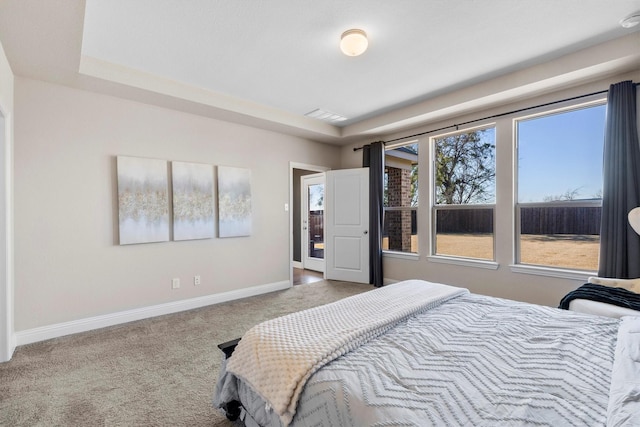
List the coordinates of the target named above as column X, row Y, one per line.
column 154, row 372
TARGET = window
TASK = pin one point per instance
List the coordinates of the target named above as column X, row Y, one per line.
column 559, row 188
column 400, row 232
column 464, row 194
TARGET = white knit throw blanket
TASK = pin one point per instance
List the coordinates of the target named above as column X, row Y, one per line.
column 277, row 357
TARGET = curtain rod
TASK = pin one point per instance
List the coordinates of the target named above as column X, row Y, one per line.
column 495, row 116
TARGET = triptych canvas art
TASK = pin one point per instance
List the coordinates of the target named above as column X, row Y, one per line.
column 144, row 208
column 192, row 201
column 143, row 200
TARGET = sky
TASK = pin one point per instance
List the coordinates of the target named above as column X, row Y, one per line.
column 316, row 197
column 560, row 153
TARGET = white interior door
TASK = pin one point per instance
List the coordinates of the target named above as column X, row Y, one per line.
column 347, row 225
column 312, row 221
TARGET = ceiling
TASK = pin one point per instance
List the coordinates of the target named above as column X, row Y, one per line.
column 268, row 63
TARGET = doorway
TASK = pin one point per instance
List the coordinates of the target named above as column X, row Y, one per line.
column 296, row 172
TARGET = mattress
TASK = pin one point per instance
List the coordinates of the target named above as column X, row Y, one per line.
column 471, row 360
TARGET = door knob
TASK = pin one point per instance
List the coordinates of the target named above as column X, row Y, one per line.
column 365, row 232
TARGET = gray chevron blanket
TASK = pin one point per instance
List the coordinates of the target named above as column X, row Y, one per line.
column 277, row 357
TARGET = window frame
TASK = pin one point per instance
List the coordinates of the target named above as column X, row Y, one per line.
column 542, row 269
column 398, row 253
column 434, row 207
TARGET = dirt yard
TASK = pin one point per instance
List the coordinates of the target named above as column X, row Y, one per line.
column 569, row 251
column 566, row 251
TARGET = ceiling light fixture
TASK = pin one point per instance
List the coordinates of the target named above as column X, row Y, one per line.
column 353, row 42
column 631, row 20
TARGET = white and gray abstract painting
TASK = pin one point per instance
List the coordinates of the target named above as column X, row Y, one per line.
column 143, row 200
column 192, row 201
column 234, row 201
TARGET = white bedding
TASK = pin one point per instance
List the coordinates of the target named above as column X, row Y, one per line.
column 601, row 309
column 277, row 357
column 472, row 361
column 624, row 395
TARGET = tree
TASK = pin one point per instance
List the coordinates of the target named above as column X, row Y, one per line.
column 570, row 194
column 465, row 168
column 414, row 185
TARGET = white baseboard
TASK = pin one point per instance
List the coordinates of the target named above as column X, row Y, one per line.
column 296, row 264
column 82, row 325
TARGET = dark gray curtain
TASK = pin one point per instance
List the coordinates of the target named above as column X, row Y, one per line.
column 619, row 244
column 373, row 158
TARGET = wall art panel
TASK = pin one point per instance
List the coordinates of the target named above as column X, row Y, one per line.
column 234, row 201
column 192, row 201
column 143, row 200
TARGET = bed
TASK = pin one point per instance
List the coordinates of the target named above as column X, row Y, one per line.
column 417, row 353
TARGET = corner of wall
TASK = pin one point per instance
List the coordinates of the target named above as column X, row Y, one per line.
column 7, row 336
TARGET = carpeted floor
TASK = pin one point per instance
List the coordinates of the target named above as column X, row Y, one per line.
column 153, row 372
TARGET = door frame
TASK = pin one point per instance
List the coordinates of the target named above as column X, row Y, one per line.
column 292, row 166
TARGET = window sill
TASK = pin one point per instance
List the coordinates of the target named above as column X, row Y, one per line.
column 552, row 272
column 401, row 255
column 466, row 262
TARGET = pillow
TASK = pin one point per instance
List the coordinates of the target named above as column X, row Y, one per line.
column 632, row 285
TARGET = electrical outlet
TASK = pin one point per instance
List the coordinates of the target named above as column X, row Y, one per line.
column 175, row 283
column 196, row 280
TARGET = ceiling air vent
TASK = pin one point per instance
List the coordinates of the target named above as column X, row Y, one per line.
column 325, row 116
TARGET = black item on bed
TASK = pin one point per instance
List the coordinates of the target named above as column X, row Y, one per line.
column 616, row 296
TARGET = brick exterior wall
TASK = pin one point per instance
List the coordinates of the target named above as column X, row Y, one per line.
column 399, row 222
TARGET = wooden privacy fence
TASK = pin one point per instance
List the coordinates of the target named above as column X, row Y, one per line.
column 464, row 220
column 316, row 226
column 560, row 220
column 533, row 220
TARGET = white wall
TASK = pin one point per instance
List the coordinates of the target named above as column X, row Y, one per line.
column 6, row 217
column 68, row 263
column 502, row 282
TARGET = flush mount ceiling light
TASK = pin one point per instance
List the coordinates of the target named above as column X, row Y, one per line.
column 353, row 42
column 631, row 20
